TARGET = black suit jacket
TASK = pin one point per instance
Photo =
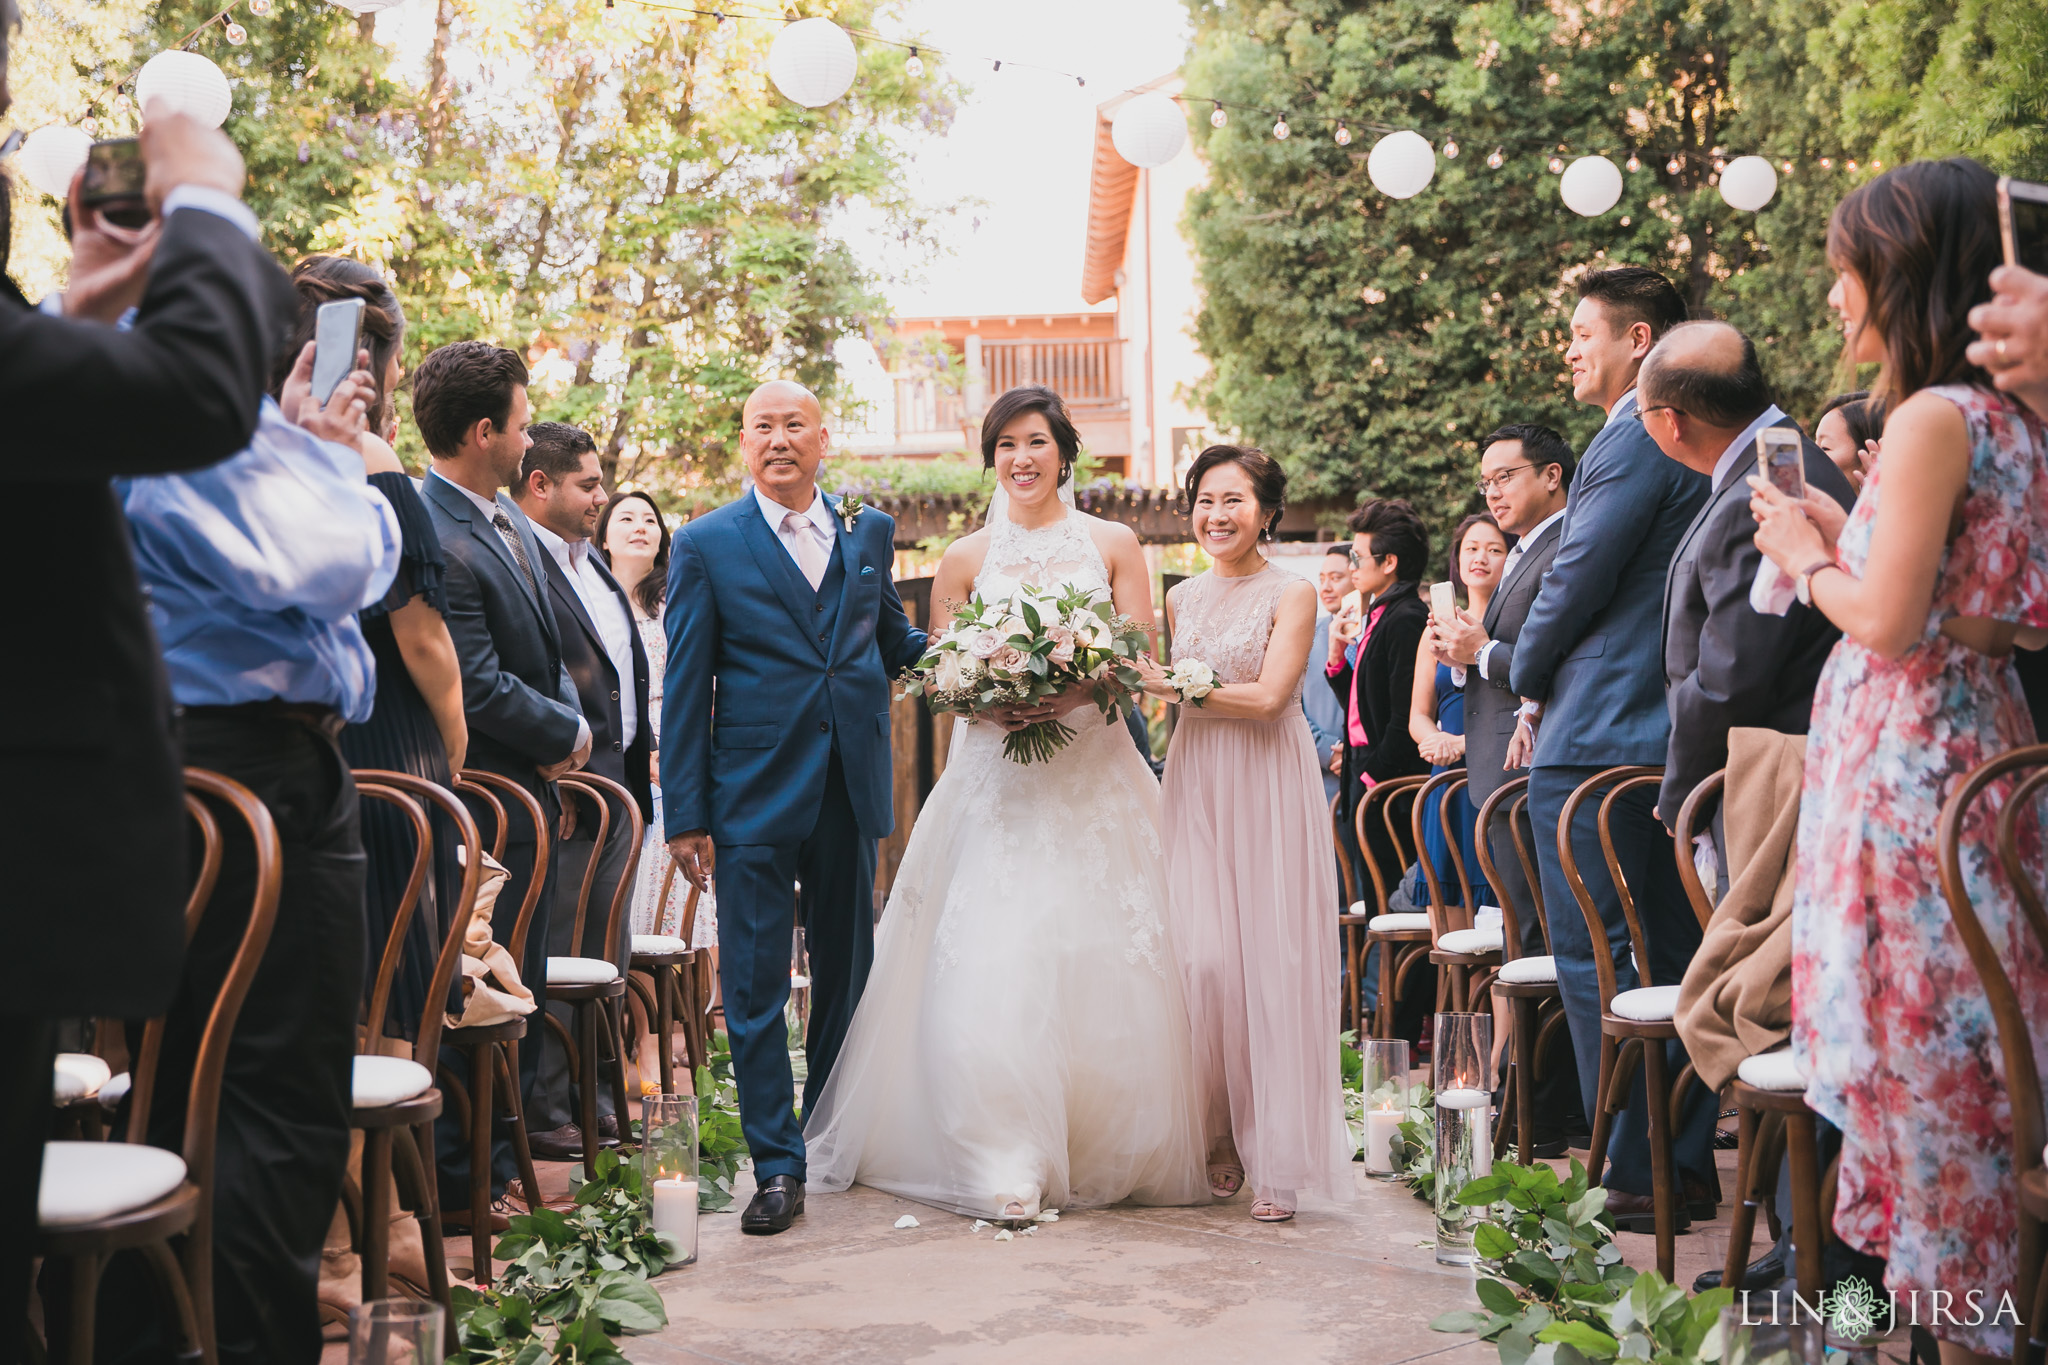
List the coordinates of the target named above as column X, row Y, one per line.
column 1725, row 663
column 597, row 685
column 1490, row 703
column 522, row 706
column 1386, row 689
column 94, row 838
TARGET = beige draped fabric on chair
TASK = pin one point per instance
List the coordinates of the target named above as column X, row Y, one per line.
column 492, row 991
column 1736, row 1000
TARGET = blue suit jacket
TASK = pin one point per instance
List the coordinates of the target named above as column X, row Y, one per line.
column 1592, row 647
column 743, row 638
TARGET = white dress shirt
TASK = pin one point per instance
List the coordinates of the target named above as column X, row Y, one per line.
column 1507, row 567
column 607, row 611
column 1772, row 416
column 819, row 516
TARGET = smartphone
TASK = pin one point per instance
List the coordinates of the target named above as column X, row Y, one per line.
column 337, row 335
column 1443, row 601
column 114, row 178
column 2023, row 223
column 1781, row 456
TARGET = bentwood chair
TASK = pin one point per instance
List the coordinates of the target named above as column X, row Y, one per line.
column 1465, row 955
column 593, row 987
column 1527, row 983
column 670, row 990
column 1968, row 817
column 492, row 1050
column 1773, row 1120
column 393, row 1093
column 1402, row 938
column 99, row 1198
column 1634, row 1024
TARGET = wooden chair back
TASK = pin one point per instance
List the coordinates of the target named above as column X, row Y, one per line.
column 687, row 929
column 604, row 793
column 1439, row 791
column 1615, row 781
column 2015, row 1040
column 1691, row 816
column 1389, row 804
column 1345, row 872
column 488, row 787
column 408, row 792
column 1508, row 802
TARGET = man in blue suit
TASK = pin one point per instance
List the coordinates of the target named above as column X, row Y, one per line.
column 784, row 630
column 1589, row 656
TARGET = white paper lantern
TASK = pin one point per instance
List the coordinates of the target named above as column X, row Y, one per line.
column 1149, row 130
column 188, row 83
column 1590, row 186
column 813, row 62
column 1401, row 165
column 1749, row 183
column 51, row 156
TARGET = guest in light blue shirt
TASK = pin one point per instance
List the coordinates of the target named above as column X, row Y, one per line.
column 1325, row 713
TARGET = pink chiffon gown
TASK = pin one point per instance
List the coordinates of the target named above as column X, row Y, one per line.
column 1252, row 896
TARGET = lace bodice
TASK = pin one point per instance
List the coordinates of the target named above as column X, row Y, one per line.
column 1044, row 557
column 1226, row 622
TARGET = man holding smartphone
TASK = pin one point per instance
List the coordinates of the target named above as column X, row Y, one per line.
column 93, row 917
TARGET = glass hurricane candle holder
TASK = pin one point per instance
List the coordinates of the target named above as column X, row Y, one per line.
column 1746, row 1341
column 668, row 1171
column 1462, row 1054
column 1385, row 1090
column 394, row 1332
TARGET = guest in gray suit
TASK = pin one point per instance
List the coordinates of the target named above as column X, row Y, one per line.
column 1589, row 656
column 1704, row 400
column 1325, row 713
column 525, row 720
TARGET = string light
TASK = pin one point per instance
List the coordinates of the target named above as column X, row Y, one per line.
column 1451, row 149
column 1671, row 166
column 236, row 34
column 913, row 65
column 1785, row 166
column 1217, row 118
column 1827, row 163
column 1556, row 165
column 1632, row 165
column 1280, row 129
column 259, row 7
column 1852, row 165
column 1494, row 159
column 1342, row 137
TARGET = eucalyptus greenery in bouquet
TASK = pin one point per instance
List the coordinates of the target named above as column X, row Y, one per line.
column 1026, row 646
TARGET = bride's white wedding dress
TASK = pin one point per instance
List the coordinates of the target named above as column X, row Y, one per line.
column 1022, row 1035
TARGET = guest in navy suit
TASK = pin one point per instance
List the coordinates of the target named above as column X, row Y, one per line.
column 782, row 605
column 1590, row 655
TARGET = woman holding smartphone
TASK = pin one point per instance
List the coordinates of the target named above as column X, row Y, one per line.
column 1934, row 577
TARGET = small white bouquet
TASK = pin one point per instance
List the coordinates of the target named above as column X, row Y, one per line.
column 1034, row 643
column 1192, row 679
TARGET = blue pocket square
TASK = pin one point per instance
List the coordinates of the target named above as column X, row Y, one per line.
column 866, row 569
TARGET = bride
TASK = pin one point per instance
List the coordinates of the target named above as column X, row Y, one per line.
column 1022, row 1041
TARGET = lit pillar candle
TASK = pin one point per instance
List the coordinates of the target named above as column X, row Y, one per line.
column 1381, row 1127
column 675, row 1216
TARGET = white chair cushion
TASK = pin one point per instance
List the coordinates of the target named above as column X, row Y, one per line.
column 84, row 1182
column 1470, row 941
column 79, row 1074
column 1406, row 921
column 580, row 971
column 1772, row 1071
column 379, row 1081
column 1647, row 1004
column 1529, row 971
column 114, row 1091
column 658, row 943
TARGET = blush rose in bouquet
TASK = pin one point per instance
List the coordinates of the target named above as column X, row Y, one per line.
column 1031, row 644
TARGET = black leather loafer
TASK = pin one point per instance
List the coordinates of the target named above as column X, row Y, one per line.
column 774, row 1206
column 1765, row 1271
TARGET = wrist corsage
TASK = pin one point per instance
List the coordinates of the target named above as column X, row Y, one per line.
column 1192, row 681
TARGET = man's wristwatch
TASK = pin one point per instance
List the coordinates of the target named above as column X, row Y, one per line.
column 1802, row 582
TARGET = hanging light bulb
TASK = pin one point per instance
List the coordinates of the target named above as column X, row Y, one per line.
column 1342, row 137
column 1671, row 166
column 1557, row 165
column 90, row 126
column 1281, row 130
column 259, row 7
column 1632, row 165
column 1217, row 118
column 1785, row 166
column 1827, row 163
column 1451, row 149
column 1494, row 159
column 237, row 35
column 1624, row 220
column 913, row 65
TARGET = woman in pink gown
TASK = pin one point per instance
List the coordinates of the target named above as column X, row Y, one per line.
column 1251, row 873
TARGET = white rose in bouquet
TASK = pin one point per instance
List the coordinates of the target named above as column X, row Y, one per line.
column 949, row 674
column 1193, row 679
column 983, row 644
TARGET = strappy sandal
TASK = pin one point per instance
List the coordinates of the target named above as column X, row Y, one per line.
column 1225, row 1178
column 1266, row 1211
column 1015, row 1211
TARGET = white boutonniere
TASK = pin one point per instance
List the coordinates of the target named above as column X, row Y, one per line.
column 850, row 507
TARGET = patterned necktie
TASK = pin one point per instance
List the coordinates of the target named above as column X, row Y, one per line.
column 518, row 548
column 803, row 543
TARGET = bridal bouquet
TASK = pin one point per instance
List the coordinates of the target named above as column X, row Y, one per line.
column 1033, row 643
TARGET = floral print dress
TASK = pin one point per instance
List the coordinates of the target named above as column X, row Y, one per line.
column 1890, row 1021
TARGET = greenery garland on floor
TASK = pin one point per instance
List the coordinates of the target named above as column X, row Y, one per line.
column 576, row 1277
column 1414, row 1144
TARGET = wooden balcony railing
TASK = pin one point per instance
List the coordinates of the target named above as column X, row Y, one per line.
column 1078, row 371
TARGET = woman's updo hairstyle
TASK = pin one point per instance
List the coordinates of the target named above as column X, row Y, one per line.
column 329, row 279
column 1269, row 481
column 1014, row 403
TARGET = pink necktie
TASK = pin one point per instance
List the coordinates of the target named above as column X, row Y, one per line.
column 803, row 544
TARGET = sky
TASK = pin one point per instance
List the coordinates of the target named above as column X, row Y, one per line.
column 1019, row 148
